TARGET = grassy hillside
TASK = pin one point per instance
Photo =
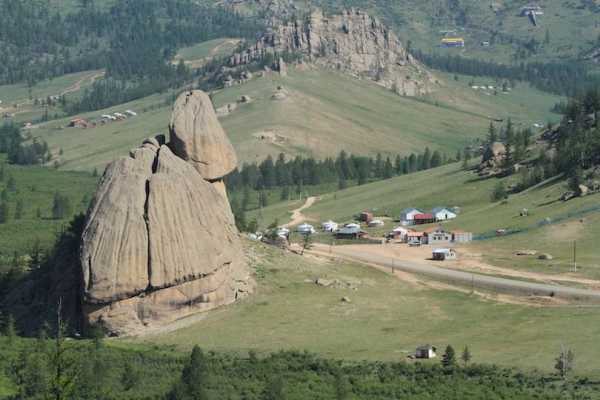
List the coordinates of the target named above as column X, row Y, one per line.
column 571, row 25
column 386, row 319
column 575, row 220
column 35, row 187
column 323, row 113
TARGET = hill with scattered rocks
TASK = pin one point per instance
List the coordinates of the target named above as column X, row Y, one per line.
column 352, row 42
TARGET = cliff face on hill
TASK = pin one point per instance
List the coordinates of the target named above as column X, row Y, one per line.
column 160, row 240
column 353, row 42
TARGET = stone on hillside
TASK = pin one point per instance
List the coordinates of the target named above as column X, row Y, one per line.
column 324, row 282
column 245, row 99
column 346, row 299
column 279, row 95
column 545, row 256
column 568, row 195
column 526, row 253
column 197, row 136
column 583, row 190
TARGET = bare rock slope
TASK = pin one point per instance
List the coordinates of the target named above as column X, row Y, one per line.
column 160, row 240
column 353, row 42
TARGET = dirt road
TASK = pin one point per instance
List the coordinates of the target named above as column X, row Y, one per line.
column 297, row 216
column 497, row 284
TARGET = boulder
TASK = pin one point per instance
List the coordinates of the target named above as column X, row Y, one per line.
column 160, row 240
column 324, row 282
column 160, row 243
column 545, row 256
column 197, row 136
column 526, row 253
column 346, row 299
column 583, row 190
column 568, row 196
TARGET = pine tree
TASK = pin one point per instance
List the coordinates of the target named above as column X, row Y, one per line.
column 388, row 169
column 19, row 209
column 426, row 164
column 436, row 159
column 398, row 165
column 195, row 376
column 3, row 212
column 466, row 355
column 492, row 134
column 499, row 192
column 449, row 357
column 565, row 362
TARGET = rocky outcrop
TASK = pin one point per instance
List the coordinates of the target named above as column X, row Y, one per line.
column 160, row 240
column 492, row 160
column 197, row 136
column 353, row 42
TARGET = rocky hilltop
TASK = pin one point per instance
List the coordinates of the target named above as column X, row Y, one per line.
column 160, row 240
column 353, row 42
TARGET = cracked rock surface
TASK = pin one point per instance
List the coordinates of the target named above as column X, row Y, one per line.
column 160, row 240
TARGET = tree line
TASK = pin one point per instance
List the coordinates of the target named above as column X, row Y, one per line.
column 50, row 366
column 565, row 78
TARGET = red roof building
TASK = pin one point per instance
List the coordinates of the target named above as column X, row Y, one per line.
column 424, row 219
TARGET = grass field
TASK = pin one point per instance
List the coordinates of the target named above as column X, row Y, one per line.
column 205, row 50
column 36, row 187
column 385, row 320
column 324, row 113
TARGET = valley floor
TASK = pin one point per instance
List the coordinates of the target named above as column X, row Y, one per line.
column 383, row 318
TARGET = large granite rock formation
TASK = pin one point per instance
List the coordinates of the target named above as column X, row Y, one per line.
column 353, row 42
column 160, row 240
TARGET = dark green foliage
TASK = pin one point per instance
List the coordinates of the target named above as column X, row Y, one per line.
column 129, row 39
column 566, row 78
column 466, row 355
column 449, row 357
column 499, row 192
column 19, row 152
column 166, row 374
column 61, row 206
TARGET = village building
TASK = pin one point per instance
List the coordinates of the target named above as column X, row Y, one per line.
column 444, row 254
column 443, row 214
column 426, row 351
column 305, row 229
column 398, row 233
column 407, row 216
column 437, row 235
column 416, row 238
column 329, row 226
column 78, row 123
column 350, row 231
column 459, row 236
column 365, row 216
column 421, row 219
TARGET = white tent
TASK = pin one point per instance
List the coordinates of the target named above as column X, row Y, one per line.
column 329, row 226
column 305, row 229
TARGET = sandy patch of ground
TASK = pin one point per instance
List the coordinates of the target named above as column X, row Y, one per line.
column 567, row 231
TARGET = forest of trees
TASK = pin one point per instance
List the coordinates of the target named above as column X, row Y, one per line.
column 53, row 367
column 18, row 150
column 132, row 40
column 565, row 78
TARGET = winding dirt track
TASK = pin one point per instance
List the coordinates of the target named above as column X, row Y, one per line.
column 297, row 216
